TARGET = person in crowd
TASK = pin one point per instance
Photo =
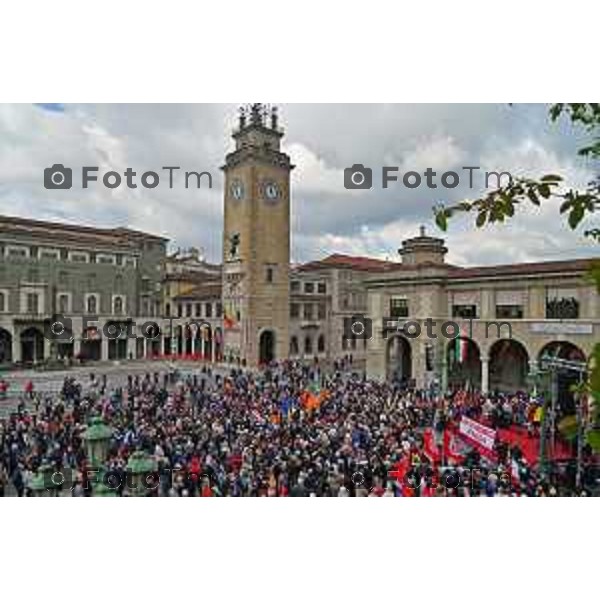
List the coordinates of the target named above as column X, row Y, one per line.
column 289, row 429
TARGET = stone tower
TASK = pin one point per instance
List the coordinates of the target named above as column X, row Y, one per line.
column 256, row 240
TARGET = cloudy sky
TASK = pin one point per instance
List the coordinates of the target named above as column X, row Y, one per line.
column 322, row 140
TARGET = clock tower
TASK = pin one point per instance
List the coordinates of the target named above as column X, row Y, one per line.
column 256, row 240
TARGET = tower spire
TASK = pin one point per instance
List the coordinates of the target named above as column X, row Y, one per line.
column 257, row 114
column 274, row 117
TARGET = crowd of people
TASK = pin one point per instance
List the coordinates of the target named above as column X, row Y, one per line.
column 290, row 429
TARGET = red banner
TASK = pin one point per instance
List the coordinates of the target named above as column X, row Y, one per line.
column 453, row 447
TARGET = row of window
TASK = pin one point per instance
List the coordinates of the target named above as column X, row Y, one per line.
column 308, row 311
column 33, row 303
column 195, row 309
column 556, row 308
column 76, row 256
column 64, row 279
column 308, row 345
column 309, row 287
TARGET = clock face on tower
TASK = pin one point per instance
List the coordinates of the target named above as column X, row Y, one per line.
column 237, row 189
column 271, row 191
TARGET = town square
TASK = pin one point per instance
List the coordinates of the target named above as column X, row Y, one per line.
column 132, row 367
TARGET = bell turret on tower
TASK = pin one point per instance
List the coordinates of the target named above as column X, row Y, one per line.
column 256, row 239
column 258, row 129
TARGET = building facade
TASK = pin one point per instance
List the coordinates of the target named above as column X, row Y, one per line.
column 192, row 289
column 325, row 295
column 483, row 327
column 79, row 272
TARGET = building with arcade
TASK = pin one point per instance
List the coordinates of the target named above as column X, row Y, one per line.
column 484, row 327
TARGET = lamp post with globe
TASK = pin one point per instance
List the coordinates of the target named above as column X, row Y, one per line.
column 42, row 485
column 139, row 466
column 97, row 437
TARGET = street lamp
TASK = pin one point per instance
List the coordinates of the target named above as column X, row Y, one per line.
column 97, row 438
column 41, row 484
column 139, row 466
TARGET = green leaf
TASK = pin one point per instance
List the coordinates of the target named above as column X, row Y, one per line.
column 555, row 111
column 575, row 216
column 481, row 219
column 551, row 178
column 441, row 220
column 532, row 196
column 593, row 439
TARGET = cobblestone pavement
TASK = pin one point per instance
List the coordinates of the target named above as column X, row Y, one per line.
column 116, row 373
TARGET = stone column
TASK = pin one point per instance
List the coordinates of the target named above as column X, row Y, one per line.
column 145, row 347
column 444, row 379
column 104, row 348
column 16, row 346
column 418, row 362
column 76, row 347
column 202, row 345
column 193, row 333
column 376, row 367
column 485, row 375
column 46, row 350
column 131, row 348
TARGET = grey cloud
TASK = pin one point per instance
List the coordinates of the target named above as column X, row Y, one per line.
column 325, row 216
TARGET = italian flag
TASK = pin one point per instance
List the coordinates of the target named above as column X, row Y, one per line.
column 460, row 349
